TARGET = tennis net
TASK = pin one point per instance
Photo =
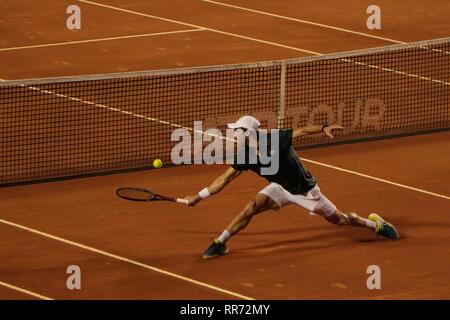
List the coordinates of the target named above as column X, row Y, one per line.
column 66, row 127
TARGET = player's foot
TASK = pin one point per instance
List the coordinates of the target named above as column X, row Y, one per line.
column 384, row 228
column 216, row 249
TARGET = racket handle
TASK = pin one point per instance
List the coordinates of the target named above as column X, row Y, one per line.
column 179, row 200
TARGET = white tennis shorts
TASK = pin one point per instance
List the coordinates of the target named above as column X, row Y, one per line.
column 313, row 201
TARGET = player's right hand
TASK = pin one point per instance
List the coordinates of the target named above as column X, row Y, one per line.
column 331, row 130
column 193, row 200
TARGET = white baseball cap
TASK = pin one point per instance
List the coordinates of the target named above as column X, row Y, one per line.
column 247, row 122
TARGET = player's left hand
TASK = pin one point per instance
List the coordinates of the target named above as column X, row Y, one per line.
column 331, row 130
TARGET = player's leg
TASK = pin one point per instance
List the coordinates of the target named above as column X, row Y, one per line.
column 343, row 219
column 259, row 204
column 375, row 223
column 328, row 210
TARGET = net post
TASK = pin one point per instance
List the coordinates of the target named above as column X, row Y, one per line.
column 281, row 110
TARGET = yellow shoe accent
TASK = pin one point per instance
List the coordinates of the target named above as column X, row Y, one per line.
column 377, row 219
column 383, row 227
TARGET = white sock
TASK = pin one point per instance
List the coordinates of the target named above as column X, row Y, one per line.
column 371, row 224
column 224, row 236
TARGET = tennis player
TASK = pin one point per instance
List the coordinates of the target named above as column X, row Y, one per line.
column 291, row 184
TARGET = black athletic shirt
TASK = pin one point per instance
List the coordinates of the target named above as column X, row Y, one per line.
column 291, row 175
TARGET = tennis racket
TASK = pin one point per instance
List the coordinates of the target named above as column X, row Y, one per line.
column 143, row 195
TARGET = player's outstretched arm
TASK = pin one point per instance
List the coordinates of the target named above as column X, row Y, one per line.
column 216, row 186
column 329, row 130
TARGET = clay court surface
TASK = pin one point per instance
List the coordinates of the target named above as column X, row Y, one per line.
column 153, row 251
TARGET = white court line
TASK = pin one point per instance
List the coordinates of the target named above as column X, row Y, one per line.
column 90, row 103
column 377, row 179
column 28, row 292
column 128, row 113
column 327, row 26
column 123, row 259
column 411, row 75
column 305, row 21
column 98, row 40
column 197, row 26
column 262, row 41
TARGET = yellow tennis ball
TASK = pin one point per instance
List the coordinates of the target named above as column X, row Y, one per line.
column 157, row 163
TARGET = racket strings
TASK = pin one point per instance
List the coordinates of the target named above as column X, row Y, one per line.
column 135, row 194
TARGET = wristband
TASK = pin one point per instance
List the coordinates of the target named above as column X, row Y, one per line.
column 204, row 193
column 324, row 126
